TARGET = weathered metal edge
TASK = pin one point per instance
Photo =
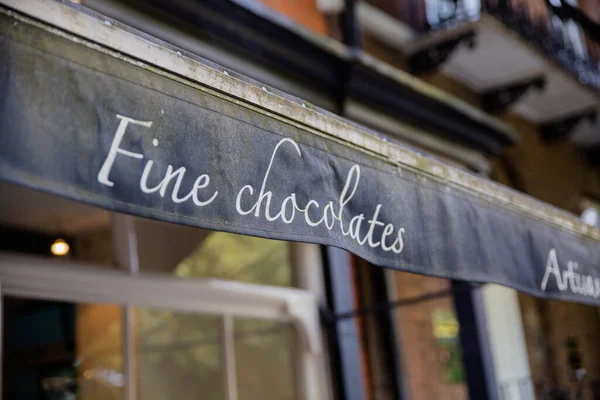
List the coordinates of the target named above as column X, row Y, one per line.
column 262, row 100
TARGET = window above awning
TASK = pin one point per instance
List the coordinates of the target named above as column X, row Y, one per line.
column 103, row 115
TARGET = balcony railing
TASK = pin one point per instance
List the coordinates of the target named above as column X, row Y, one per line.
column 560, row 29
column 442, row 13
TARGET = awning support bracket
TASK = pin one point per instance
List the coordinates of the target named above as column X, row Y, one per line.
column 499, row 99
column 562, row 128
column 432, row 58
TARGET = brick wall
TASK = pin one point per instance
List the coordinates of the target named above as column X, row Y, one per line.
column 419, row 349
column 304, row 12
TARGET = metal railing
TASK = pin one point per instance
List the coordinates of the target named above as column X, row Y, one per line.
column 556, row 27
column 444, row 13
column 559, row 33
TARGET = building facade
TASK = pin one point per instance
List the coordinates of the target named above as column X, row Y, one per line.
column 506, row 91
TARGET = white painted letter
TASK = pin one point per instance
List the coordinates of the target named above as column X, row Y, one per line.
column 552, row 268
column 201, row 182
column 345, row 198
column 399, row 242
column 115, row 149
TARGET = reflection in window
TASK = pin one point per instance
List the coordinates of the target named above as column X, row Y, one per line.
column 178, row 356
column 241, row 258
column 264, row 359
column 61, row 351
column 445, row 331
column 99, row 360
column 199, row 253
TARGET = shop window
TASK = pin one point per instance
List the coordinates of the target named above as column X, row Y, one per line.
column 218, row 339
column 30, row 222
column 197, row 253
column 264, row 359
column 237, row 257
column 178, row 355
column 62, row 350
column 55, row 350
column 233, row 328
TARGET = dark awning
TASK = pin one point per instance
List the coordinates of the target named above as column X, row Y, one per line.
column 173, row 139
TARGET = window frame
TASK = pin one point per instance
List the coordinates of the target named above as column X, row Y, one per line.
column 60, row 280
column 39, row 278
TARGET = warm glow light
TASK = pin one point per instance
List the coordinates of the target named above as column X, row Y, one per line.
column 87, row 374
column 59, row 247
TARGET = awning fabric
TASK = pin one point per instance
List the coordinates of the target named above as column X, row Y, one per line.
column 193, row 145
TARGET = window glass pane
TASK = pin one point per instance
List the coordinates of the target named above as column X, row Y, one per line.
column 241, row 258
column 265, row 363
column 31, row 222
column 178, row 356
column 58, row 350
column 197, row 253
column 430, row 341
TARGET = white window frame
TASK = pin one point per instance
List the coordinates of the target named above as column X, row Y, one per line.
column 54, row 279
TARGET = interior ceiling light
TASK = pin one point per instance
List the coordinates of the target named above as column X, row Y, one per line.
column 60, row 247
